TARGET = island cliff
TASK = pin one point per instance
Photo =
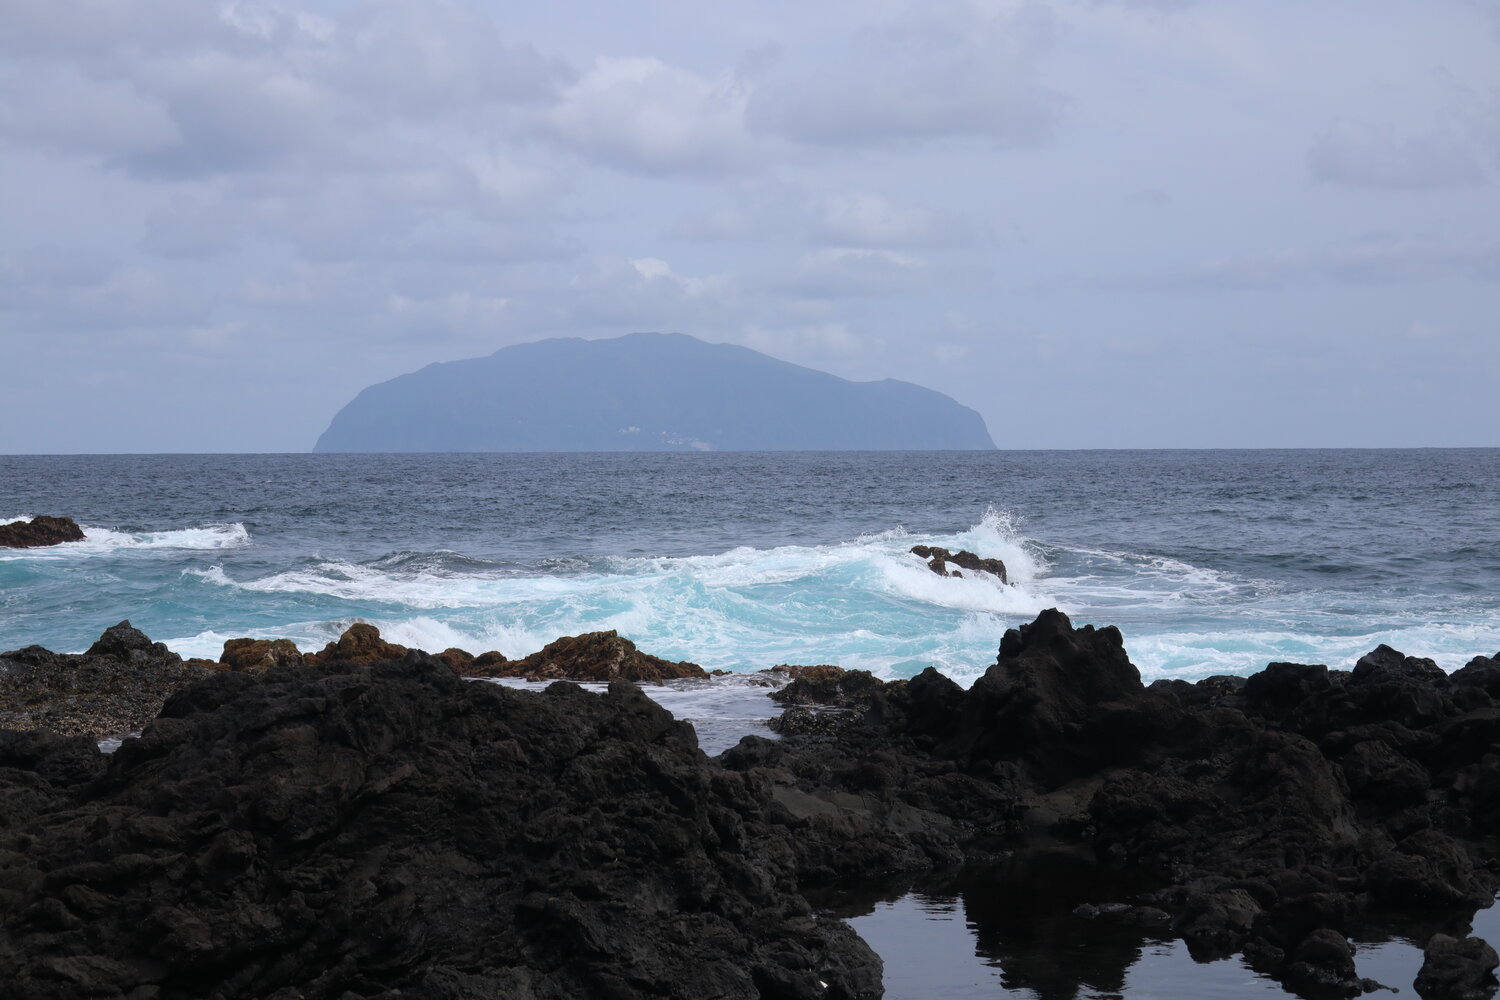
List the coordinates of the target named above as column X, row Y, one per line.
column 645, row 392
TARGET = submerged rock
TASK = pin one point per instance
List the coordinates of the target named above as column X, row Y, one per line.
column 40, row 531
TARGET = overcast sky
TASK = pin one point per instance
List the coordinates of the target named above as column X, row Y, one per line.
column 1101, row 223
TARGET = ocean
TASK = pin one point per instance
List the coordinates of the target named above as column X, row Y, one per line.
column 1210, row 562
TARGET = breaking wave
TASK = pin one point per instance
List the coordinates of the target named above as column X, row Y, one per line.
column 101, row 541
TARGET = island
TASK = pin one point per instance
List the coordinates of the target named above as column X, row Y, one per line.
column 645, row 392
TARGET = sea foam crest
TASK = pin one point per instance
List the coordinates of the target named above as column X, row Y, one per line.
column 866, row 603
column 108, row 541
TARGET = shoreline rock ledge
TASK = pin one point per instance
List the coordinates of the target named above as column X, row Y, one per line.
column 391, row 830
column 367, row 823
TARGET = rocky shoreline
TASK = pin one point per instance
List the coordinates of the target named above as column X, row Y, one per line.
column 362, row 822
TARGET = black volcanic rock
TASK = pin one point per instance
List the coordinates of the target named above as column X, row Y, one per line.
column 346, row 829
column 116, row 687
column 391, row 830
column 1457, row 969
column 939, row 558
column 1285, row 809
column 39, row 531
column 644, row 392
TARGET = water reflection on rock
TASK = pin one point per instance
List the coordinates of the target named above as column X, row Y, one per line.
column 1056, row 925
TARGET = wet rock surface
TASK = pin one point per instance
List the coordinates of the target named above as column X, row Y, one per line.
column 938, row 560
column 116, row 687
column 1457, row 969
column 1284, row 809
column 39, row 532
column 389, row 830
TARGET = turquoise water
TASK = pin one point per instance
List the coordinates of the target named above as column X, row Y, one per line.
column 1210, row 562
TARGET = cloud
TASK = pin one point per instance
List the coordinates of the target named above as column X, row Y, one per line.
column 1380, row 259
column 434, row 58
column 862, row 219
column 641, row 114
column 1358, row 154
column 59, row 108
column 180, row 90
column 481, row 210
column 47, row 290
column 818, row 340
column 849, row 273
column 967, row 70
column 848, row 219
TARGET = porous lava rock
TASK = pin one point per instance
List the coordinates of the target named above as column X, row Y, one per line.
column 1457, row 969
column 593, row 656
column 1284, row 809
column 256, row 656
column 338, row 831
column 359, row 645
column 115, row 687
column 939, row 558
column 40, row 531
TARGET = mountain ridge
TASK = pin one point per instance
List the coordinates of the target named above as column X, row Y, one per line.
column 644, row 392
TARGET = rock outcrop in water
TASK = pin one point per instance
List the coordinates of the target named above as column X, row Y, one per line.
column 939, row 558
column 40, row 531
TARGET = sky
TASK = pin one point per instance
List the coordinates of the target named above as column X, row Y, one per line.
column 1100, row 223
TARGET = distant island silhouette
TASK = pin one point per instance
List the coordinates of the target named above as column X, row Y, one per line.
column 645, row 392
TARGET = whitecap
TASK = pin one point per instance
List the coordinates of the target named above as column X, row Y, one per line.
column 99, row 541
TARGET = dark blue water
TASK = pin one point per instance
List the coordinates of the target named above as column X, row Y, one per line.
column 1210, row 561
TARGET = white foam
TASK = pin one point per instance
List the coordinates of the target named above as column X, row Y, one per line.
column 99, row 541
column 1241, row 651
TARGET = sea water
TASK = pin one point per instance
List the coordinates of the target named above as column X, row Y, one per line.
column 1210, row 562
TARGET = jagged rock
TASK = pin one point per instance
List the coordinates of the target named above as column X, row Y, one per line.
column 360, row 644
column 40, row 531
column 813, row 672
column 484, row 665
column 1457, row 969
column 1285, row 805
column 1324, row 961
column 1064, row 700
column 1285, row 808
column 830, row 687
column 939, row 558
column 390, row 830
column 1482, row 672
column 458, row 660
column 256, row 656
column 595, row 656
column 116, row 687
